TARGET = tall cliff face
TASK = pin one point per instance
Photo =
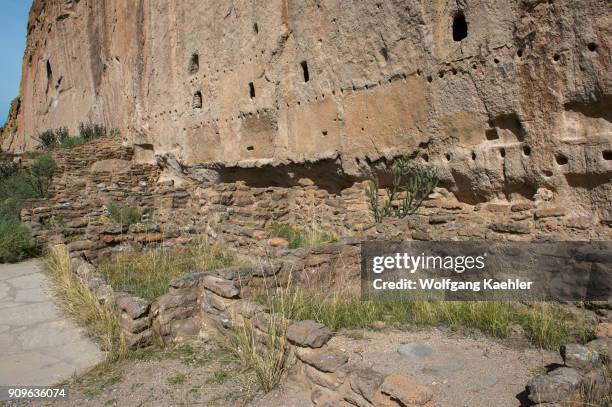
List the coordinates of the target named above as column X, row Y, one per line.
column 503, row 97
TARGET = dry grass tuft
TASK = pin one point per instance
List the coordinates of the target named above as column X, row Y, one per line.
column 265, row 353
column 147, row 273
column 546, row 325
column 80, row 303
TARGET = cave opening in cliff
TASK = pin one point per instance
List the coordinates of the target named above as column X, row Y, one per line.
column 491, row 134
column 460, row 27
column 197, row 100
column 256, row 28
column 251, row 90
column 49, row 70
column 561, row 159
column 194, row 63
column 305, row 72
column 607, row 155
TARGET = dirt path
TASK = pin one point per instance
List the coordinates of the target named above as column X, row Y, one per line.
column 38, row 345
column 462, row 371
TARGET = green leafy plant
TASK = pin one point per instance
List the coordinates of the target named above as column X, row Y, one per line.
column 16, row 241
column 47, row 139
column 17, row 186
column 410, row 186
column 126, row 215
column 50, row 139
column 41, row 174
column 91, row 131
column 7, row 167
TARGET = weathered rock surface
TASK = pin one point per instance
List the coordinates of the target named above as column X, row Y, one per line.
column 579, row 356
column 554, row 386
column 323, row 359
column 406, row 391
column 308, row 333
column 505, row 98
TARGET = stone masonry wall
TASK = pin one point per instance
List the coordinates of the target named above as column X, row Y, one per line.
column 92, row 175
column 206, row 307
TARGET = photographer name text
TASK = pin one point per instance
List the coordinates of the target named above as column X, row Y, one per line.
column 449, row 285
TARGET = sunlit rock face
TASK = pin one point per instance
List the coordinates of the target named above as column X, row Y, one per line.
column 503, row 97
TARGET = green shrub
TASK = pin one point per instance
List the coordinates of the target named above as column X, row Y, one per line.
column 17, row 186
column 16, row 241
column 41, row 175
column 61, row 138
column 126, row 215
column 411, row 185
column 91, row 131
column 47, row 139
column 7, row 167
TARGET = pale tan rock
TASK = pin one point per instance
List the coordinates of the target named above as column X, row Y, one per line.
column 406, row 391
column 278, row 242
column 603, row 330
column 308, row 333
column 517, row 104
column 112, row 166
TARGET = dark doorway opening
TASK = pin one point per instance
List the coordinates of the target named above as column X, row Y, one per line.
column 251, row 90
column 460, row 27
column 304, row 65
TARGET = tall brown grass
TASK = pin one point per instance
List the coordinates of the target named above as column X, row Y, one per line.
column 545, row 325
column 148, row 273
column 265, row 353
column 79, row 303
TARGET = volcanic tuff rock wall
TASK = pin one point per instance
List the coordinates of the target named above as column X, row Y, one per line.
column 503, row 96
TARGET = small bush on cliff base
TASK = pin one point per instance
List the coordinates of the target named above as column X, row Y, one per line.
column 53, row 138
column 41, row 174
column 61, row 138
column 7, row 167
column 411, row 185
column 31, row 183
column 16, row 241
column 79, row 303
column 126, row 215
column 148, row 273
column 91, row 131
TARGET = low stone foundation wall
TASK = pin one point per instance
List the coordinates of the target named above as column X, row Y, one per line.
column 207, row 307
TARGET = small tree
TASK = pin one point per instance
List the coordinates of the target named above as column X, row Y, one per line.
column 411, row 185
column 41, row 174
column 47, row 139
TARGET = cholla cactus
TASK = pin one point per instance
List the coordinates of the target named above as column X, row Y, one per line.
column 411, row 185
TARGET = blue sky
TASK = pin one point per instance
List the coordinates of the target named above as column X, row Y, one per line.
column 13, row 27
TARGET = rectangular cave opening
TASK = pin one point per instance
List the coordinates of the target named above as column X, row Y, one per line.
column 196, row 103
column 194, row 63
column 49, row 70
column 491, row 134
column 304, row 65
column 251, row 90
